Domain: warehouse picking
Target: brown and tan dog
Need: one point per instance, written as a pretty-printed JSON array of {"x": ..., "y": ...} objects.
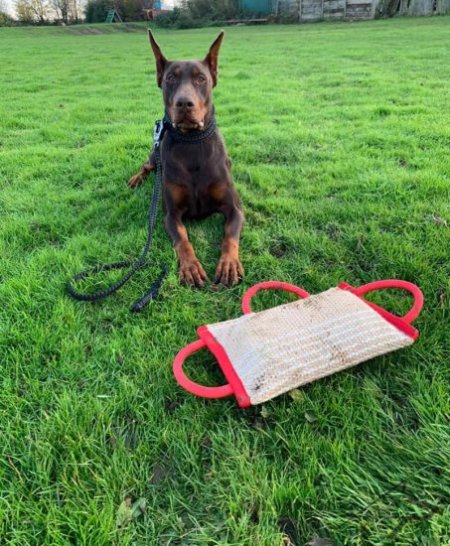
[{"x": 196, "y": 175}]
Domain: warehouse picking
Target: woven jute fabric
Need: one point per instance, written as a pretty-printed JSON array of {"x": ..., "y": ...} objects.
[{"x": 282, "y": 348}]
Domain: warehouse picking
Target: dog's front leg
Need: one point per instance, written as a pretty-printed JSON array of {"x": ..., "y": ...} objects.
[
  {"x": 144, "y": 171},
  {"x": 191, "y": 270},
  {"x": 229, "y": 269}
]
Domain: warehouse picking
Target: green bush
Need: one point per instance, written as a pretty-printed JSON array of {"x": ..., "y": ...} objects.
[
  {"x": 96, "y": 10},
  {"x": 213, "y": 10},
  {"x": 129, "y": 10},
  {"x": 179, "y": 18},
  {"x": 199, "y": 13},
  {"x": 6, "y": 20}
]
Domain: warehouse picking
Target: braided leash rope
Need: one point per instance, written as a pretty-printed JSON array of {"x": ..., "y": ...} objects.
[{"x": 161, "y": 126}]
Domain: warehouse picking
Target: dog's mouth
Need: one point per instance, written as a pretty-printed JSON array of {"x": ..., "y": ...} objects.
[
  {"x": 186, "y": 120},
  {"x": 186, "y": 124}
]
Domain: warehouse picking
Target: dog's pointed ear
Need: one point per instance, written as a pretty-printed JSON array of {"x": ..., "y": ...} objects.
[
  {"x": 161, "y": 61},
  {"x": 212, "y": 57}
]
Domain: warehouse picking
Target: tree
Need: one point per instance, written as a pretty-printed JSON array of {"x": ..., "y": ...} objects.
[
  {"x": 5, "y": 19},
  {"x": 75, "y": 10},
  {"x": 66, "y": 10},
  {"x": 24, "y": 12},
  {"x": 32, "y": 11},
  {"x": 61, "y": 8}
]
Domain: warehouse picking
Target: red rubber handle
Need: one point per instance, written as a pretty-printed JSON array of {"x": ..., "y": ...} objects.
[
  {"x": 413, "y": 313},
  {"x": 191, "y": 386},
  {"x": 270, "y": 285}
]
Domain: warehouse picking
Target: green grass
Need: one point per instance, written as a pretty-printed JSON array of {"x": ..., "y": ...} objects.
[{"x": 340, "y": 139}]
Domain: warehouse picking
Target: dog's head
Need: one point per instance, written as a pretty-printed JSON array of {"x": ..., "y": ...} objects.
[{"x": 187, "y": 86}]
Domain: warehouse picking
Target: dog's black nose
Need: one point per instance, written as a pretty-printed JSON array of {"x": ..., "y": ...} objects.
[{"x": 184, "y": 103}]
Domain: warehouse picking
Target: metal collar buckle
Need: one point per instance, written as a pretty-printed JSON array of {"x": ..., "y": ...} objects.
[{"x": 157, "y": 132}]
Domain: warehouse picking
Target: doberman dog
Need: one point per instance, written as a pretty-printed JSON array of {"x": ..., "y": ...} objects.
[{"x": 197, "y": 178}]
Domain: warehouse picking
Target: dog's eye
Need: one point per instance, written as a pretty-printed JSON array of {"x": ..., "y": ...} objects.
[
  {"x": 200, "y": 78},
  {"x": 171, "y": 78}
]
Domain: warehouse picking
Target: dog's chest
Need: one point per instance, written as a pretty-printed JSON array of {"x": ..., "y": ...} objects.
[
  {"x": 198, "y": 172},
  {"x": 198, "y": 192}
]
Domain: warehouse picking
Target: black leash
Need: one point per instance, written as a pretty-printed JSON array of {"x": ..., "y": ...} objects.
[{"x": 161, "y": 126}]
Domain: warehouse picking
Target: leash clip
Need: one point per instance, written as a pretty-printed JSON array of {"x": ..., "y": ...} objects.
[{"x": 157, "y": 132}]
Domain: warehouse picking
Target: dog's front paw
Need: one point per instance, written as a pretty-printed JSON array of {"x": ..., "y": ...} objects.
[
  {"x": 229, "y": 270},
  {"x": 192, "y": 273},
  {"x": 138, "y": 178},
  {"x": 135, "y": 181}
]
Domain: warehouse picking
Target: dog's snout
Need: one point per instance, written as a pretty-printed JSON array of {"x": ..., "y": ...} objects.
[{"x": 184, "y": 103}]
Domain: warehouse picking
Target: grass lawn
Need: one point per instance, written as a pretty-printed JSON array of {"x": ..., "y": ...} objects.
[{"x": 340, "y": 141}]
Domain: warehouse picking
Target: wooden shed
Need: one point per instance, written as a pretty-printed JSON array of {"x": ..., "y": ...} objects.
[
  {"x": 327, "y": 10},
  {"x": 258, "y": 7},
  {"x": 320, "y": 10},
  {"x": 423, "y": 7}
]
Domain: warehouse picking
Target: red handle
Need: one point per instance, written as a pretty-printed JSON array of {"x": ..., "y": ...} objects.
[
  {"x": 191, "y": 386},
  {"x": 227, "y": 390},
  {"x": 270, "y": 285},
  {"x": 413, "y": 313}
]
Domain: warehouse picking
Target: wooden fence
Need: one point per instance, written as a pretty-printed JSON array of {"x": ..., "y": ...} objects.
[{"x": 320, "y": 10}]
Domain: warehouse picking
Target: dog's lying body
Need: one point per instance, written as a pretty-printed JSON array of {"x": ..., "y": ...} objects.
[{"x": 196, "y": 176}]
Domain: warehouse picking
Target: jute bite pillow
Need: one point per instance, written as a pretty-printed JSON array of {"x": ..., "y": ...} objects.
[{"x": 271, "y": 352}]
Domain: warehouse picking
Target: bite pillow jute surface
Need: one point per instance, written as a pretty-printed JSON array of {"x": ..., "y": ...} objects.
[{"x": 265, "y": 354}]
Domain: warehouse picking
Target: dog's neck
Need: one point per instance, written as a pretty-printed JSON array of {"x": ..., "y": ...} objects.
[{"x": 209, "y": 116}]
